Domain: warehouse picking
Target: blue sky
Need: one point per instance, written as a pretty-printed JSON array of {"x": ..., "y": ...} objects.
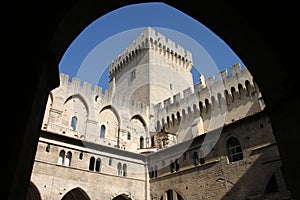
[{"x": 90, "y": 54}]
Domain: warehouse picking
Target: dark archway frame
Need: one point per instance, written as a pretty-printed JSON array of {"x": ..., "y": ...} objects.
[{"x": 37, "y": 33}]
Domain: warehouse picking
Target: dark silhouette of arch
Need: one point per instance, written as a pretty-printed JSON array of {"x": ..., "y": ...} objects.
[
  {"x": 169, "y": 195},
  {"x": 272, "y": 186},
  {"x": 122, "y": 197},
  {"x": 76, "y": 194},
  {"x": 33, "y": 192}
]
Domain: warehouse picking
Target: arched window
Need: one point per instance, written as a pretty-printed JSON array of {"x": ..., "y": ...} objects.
[
  {"x": 80, "y": 155},
  {"x": 173, "y": 119},
  {"x": 151, "y": 172},
  {"x": 119, "y": 168},
  {"x": 240, "y": 88},
  {"x": 68, "y": 159},
  {"x": 248, "y": 87},
  {"x": 124, "y": 169},
  {"x": 233, "y": 93},
  {"x": 61, "y": 157},
  {"x": 219, "y": 99},
  {"x": 178, "y": 118},
  {"x": 272, "y": 186},
  {"x": 141, "y": 142},
  {"x": 234, "y": 150},
  {"x": 102, "y": 131},
  {"x": 168, "y": 121},
  {"x": 48, "y": 148},
  {"x": 98, "y": 165},
  {"x": 206, "y": 104},
  {"x": 176, "y": 165},
  {"x": 226, "y": 96},
  {"x": 110, "y": 162},
  {"x": 92, "y": 163},
  {"x": 155, "y": 171},
  {"x": 201, "y": 107},
  {"x": 73, "y": 123},
  {"x": 195, "y": 158},
  {"x": 201, "y": 159},
  {"x": 172, "y": 166},
  {"x": 128, "y": 135},
  {"x": 152, "y": 141}
]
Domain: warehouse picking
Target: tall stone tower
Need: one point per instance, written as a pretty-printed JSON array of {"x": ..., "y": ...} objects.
[{"x": 151, "y": 69}]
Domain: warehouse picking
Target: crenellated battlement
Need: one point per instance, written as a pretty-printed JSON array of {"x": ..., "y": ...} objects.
[
  {"x": 97, "y": 95},
  {"x": 151, "y": 39},
  {"x": 76, "y": 85},
  {"x": 232, "y": 92},
  {"x": 212, "y": 86}
]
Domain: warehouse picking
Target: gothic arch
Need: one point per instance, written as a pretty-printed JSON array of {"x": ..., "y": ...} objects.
[
  {"x": 171, "y": 192},
  {"x": 140, "y": 118},
  {"x": 80, "y": 97},
  {"x": 122, "y": 196},
  {"x": 111, "y": 108},
  {"x": 76, "y": 194}
]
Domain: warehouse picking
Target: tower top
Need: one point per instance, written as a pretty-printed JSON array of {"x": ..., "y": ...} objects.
[{"x": 152, "y": 38}]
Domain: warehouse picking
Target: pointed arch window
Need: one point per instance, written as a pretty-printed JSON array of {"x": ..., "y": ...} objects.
[
  {"x": 110, "y": 162},
  {"x": 61, "y": 157},
  {"x": 98, "y": 165},
  {"x": 152, "y": 141},
  {"x": 141, "y": 142},
  {"x": 176, "y": 165},
  {"x": 68, "y": 159},
  {"x": 195, "y": 158},
  {"x": 272, "y": 186},
  {"x": 172, "y": 166},
  {"x": 128, "y": 135},
  {"x": 233, "y": 93},
  {"x": 48, "y": 148},
  {"x": 241, "y": 90},
  {"x": 200, "y": 107},
  {"x": 168, "y": 121},
  {"x": 102, "y": 131},
  {"x": 124, "y": 170},
  {"x": 178, "y": 118},
  {"x": 219, "y": 99},
  {"x": 206, "y": 104},
  {"x": 248, "y": 88},
  {"x": 119, "y": 169},
  {"x": 151, "y": 172},
  {"x": 234, "y": 150},
  {"x": 74, "y": 123},
  {"x": 173, "y": 119},
  {"x": 92, "y": 163},
  {"x": 155, "y": 171},
  {"x": 226, "y": 94}
]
